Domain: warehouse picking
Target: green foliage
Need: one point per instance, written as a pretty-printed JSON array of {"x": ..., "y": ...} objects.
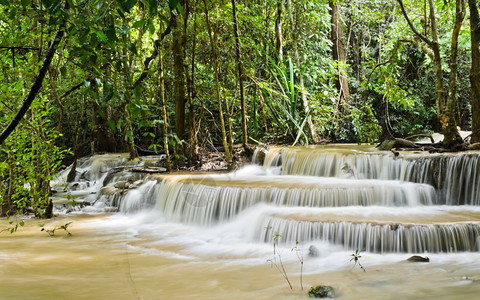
[
  {"x": 29, "y": 161},
  {"x": 108, "y": 43},
  {"x": 51, "y": 232},
  {"x": 14, "y": 228},
  {"x": 282, "y": 98},
  {"x": 365, "y": 124}
]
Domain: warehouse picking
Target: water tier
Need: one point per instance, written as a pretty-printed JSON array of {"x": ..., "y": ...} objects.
[{"x": 456, "y": 176}]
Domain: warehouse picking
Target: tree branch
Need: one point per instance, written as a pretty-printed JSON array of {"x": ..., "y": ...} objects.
[
  {"x": 156, "y": 45},
  {"x": 37, "y": 85},
  {"x": 389, "y": 60},
  {"x": 410, "y": 24}
]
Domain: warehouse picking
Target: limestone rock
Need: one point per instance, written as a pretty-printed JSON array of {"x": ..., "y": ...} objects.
[
  {"x": 416, "y": 258},
  {"x": 321, "y": 291}
]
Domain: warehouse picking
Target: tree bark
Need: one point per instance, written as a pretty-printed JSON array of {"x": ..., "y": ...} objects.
[
  {"x": 452, "y": 136},
  {"x": 179, "y": 81},
  {"x": 445, "y": 112},
  {"x": 168, "y": 161},
  {"x": 338, "y": 51},
  {"x": 475, "y": 69},
  {"x": 228, "y": 156},
  {"x": 278, "y": 30},
  {"x": 156, "y": 45},
  {"x": 240, "y": 77}
]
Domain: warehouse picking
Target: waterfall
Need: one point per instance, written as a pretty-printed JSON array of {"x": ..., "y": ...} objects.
[
  {"x": 206, "y": 199},
  {"x": 455, "y": 176},
  {"x": 381, "y": 238},
  {"x": 356, "y": 198}
]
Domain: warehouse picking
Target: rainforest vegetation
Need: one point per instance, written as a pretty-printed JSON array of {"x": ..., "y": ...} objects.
[{"x": 177, "y": 76}]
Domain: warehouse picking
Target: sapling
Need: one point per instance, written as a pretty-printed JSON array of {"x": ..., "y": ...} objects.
[
  {"x": 298, "y": 252},
  {"x": 356, "y": 259},
  {"x": 51, "y": 232},
  {"x": 64, "y": 227},
  {"x": 276, "y": 254}
]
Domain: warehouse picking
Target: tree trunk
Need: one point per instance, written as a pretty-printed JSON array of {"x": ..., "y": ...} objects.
[
  {"x": 278, "y": 31},
  {"x": 475, "y": 69},
  {"x": 338, "y": 51},
  {"x": 445, "y": 113},
  {"x": 452, "y": 137},
  {"x": 192, "y": 133},
  {"x": 240, "y": 77},
  {"x": 179, "y": 81},
  {"x": 168, "y": 161},
  {"x": 228, "y": 156}
]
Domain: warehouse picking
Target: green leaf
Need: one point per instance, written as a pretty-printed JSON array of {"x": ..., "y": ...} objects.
[
  {"x": 99, "y": 16},
  {"x": 172, "y": 4},
  {"x": 111, "y": 124},
  {"x": 125, "y": 6},
  {"x": 53, "y": 6},
  {"x": 153, "y": 4},
  {"x": 102, "y": 36},
  {"x": 139, "y": 24},
  {"x": 24, "y": 2},
  {"x": 123, "y": 29},
  {"x": 132, "y": 48},
  {"x": 175, "y": 4},
  {"x": 111, "y": 34}
]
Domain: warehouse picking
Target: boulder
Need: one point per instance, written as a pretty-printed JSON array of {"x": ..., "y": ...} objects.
[
  {"x": 313, "y": 251},
  {"x": 396, "y": 143},
  {"x": 321, "y": 291},
  {"x": 416, "y": 258},
  {"x": 475, "y": 146}
]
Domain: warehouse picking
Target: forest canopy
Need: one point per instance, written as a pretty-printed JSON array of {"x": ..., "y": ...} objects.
[{"x": 80, "y": 77}]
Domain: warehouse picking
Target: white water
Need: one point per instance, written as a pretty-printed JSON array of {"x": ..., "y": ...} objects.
[{"x": 210, "y": 236}]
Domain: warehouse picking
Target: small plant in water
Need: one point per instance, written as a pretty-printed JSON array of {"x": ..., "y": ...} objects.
[
  {"x": 277, "y": 259},
  {"x": 51, "y": 232},
  {"x": 356, "y": 259},
  {"x": 298, "y": 252}
]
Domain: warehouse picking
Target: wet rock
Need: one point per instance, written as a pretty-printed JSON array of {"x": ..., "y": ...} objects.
[
  {"x": 313, "y": 251},
  {"x": 321, "y": 291},
  {"x": 398, "y": 144},
  {"x": 150, "y": 170},
  {"x": 260, "y": 154},
  {"x": 122, "y": 185},
  {"x": 475, "y": 146},
  {"x": 416, "y": 258},
  {"x": 130, "y": 184}
]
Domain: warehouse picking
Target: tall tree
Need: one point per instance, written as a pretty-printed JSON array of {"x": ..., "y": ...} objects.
[
  {"x": 475, "y": 69},
  {"x": 213, "y": 44},
  {"x": 279, "y": 30},
  {"x": 178, "y": 49},
  {"x": 238, "y": 58},
  {"x": 445, "y": 111},
  {"x": 338, "y": 49}
]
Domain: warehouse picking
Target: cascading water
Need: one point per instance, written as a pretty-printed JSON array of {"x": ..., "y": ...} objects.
[
  {"x": 455, "y": 176},
  {"x": 314, "y": 179},
  {"x": 214, "y": 228}
]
